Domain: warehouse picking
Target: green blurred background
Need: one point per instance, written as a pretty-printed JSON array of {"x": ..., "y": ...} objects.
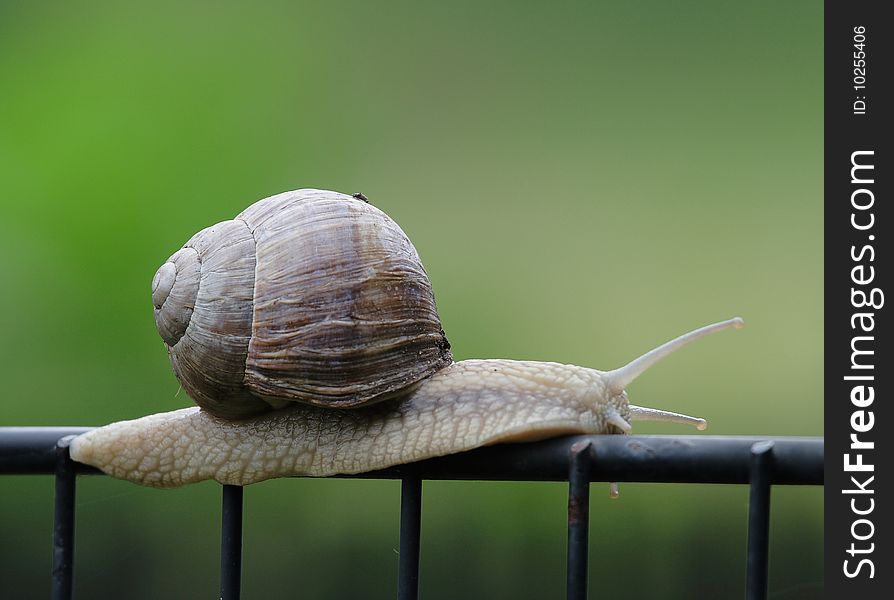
[{"x": 582, "y": 180}]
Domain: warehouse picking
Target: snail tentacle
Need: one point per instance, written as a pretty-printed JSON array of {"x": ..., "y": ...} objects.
[
  {"x": 617, "y": 420},
  {"x": 642, "y": 413},
  {"x": 620, "y": 378}
]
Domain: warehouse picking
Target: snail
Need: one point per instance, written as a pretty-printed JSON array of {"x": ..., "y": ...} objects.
[{"x": 306, "y": 331}]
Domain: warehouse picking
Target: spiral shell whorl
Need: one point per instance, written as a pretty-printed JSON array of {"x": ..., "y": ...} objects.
[{"x": 174, "y": 290}]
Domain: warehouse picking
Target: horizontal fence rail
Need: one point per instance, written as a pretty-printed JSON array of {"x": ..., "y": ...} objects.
[
  {"x": 760, "y": 462},
  {"x": 640, "y": 458}
]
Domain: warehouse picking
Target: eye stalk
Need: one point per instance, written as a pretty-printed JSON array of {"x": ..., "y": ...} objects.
[{"x": 617, "y": 380}]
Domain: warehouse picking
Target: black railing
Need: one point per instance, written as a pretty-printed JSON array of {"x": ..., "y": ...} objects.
[{"x": 760, "y": 462}]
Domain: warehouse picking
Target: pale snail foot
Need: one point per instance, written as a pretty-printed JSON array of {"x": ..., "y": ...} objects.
[{"x": 466, "y": 405}]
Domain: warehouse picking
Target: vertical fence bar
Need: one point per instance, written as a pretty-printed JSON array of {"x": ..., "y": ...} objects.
[
  {"x": 410, "y": 525},
  {"x": 231, "y": 543},
  {"x": 63, "y": 522},
  {"x": 578, "y": 519},
  {"x": 759, "y": 521}
]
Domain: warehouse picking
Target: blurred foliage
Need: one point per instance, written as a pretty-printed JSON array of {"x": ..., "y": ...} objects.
[{"x": 582, "y": 180}]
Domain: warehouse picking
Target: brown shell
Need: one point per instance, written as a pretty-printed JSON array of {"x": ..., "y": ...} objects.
[{"x": 309, "y": 296}]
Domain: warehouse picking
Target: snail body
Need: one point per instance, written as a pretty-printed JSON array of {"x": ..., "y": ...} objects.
[{"x": 350, "y": 370}]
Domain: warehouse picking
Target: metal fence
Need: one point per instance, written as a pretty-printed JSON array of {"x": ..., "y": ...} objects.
[{"x": 759, "y": 462}]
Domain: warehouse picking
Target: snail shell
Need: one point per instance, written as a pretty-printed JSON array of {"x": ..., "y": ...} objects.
[{"x": 308, "y": 296}]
